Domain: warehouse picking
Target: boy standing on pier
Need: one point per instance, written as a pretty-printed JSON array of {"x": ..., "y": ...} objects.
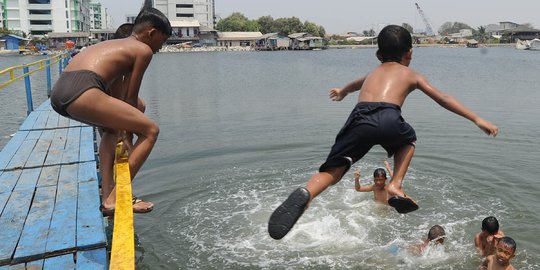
[
  {"x": 83, "y": 93},
  {"x": 376, "y": 119}
]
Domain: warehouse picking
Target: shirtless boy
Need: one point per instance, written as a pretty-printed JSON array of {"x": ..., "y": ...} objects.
[
  {"x": 486, "y": 240},
  {"x": 378, "y": 187},
  {"x": 83, "y": 93},
  {"x": 505, "y": 250},
  {"x": 376, "y": 120}
]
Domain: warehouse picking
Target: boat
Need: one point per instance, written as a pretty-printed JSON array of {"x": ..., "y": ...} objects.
[
  {"x": 522, "y": 44},
  {"x": 534, "y": 44}
]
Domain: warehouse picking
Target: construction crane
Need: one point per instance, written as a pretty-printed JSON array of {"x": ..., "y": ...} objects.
[{"x": 429, "y": 28}]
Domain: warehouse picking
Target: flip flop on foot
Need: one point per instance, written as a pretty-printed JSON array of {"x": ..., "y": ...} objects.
[
  {"x": 140, "y": 206},
  {"x": 403, "y": 204},
  {"x": 286, "y": 215},
  {"x": 106, "y": 211}
]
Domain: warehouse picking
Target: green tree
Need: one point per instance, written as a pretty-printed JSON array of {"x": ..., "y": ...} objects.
[
  {"x": 237, "y": 22},
  {"x": 311, "y": 28},
  {"x": 266, "y": 24},
  {"x": 408, "y": 27}
]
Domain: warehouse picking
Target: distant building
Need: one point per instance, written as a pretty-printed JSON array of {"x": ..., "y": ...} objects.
[
  {"x": 130, "y": 18},
  {"x": 99, "y": 17},
  {"x": 238, "y": 38},
  {"x": 187, "y": 10},
  {"x": 2, "y": 14},
  {"x": 41, "y": 17},
  {"x": 305, "y": 41}
]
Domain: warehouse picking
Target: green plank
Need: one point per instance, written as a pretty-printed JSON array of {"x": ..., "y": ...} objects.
[
  {"x": 71, "y": 150},
  {"x": 54, "y": 156},
  {"x": 11, "y": 148},
  {"x": 39, "y": 153},
  {"x": 12, "y": 221},
  {"x": 33, "y": 239},
  {"x": 92, "y": 259},
  {"x": 90, "y": 227},
  {"x": 62, "y": 230},
  {"x": 60, "y": 262}
]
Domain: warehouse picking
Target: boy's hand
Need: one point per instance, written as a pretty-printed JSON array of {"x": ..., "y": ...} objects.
[
  {"x": 357, "y": 174},
  {"x": 487, "y": 127},
  {"x": 336, "y": 94}
]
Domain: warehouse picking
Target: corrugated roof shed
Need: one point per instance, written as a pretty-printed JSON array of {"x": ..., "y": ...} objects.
[{"x": 239, "y": 35}]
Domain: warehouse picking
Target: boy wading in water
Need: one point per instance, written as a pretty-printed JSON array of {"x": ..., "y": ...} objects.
[
  {"x": 376, "y": 120},
  {"x": 83, "y": 92}
]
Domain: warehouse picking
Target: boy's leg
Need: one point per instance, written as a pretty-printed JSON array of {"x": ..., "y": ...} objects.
[
  {"x": 96, "y": 107},
  {"x": 402, "y": 159},
  {"x": 106, "y": 163},
  {"x": 285, "y": 216}
]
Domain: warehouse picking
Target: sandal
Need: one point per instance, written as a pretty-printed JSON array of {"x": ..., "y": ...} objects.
[
  {"x": 135, "y": 200},
  {"x": 106, "y": 212}
]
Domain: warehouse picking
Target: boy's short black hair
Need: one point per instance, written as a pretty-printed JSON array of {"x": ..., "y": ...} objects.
[
  {"x": 123, "y": 31},
  {"x": 154, "y": 18},
  {"x": 393, "y": 42},
  {"x": 435, "y": 232},
  {"x": 490, "y": 225},
  {"x": 509, "y": 242},
  {"x": 379, "y": 172}
]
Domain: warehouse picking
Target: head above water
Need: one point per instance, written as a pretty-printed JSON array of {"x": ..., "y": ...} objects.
[
  {"x": 508, "y": 242},
  {"x": 436, "y": 233},
  {"x": 151, "y": 17},
  {"x": 379, "y": 172},
  {"x": 490, "y": 225},
  {"x": 124, "y": 31},
  {"x": 394, "y": 42}
]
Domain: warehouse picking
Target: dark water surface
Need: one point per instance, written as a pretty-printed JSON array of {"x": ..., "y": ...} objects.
[{"x": 241, "y": 130}]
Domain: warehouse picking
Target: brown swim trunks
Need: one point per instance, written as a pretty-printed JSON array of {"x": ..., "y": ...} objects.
[{"x": 71, "y": 85}]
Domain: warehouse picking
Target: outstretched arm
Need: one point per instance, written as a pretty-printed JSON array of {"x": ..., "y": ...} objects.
[
  {"x": 338, "y": 94},
  {"x": 450, "y": 103},
  {"x": 357, "y": 185},
  {"x": 390, "y": 172}
]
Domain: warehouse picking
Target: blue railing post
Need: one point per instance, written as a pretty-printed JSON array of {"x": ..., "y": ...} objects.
[
  {"x": 60, "y": 63},
  {"x": 49, "y": 83},
  {"x": 29, "y": 103}
]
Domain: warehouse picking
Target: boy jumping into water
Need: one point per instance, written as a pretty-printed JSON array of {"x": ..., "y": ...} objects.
[
  {"x": 376, "y": 119},
  {"x": 83, "y": 92}
]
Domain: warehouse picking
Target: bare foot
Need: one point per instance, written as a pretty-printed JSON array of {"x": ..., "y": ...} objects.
[{"x": 394, "y": 191}]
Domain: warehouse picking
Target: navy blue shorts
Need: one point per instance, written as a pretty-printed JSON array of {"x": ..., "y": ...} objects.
[{"x": 370, "y": 123}]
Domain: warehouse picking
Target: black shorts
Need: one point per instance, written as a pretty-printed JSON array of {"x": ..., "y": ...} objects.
[
  {"x": 70, "y": 85},
  {"x": 370, "y": 123}
]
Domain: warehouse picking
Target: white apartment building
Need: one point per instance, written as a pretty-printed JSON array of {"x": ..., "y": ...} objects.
[
  {"x": 99, "y": 17},
  {"x": 40, "y": 17},
  {"x": 202, "y": 11}
]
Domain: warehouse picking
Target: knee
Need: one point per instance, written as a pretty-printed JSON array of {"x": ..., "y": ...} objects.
[{"x": 153, "y": 131}]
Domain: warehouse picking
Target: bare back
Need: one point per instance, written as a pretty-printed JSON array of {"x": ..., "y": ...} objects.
[
  {"x": 112, "y": 59},
  {"x": 390, "y": 82}
]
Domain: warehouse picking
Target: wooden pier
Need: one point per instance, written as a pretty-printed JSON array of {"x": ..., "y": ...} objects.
[{"x": 49, "y": 196}]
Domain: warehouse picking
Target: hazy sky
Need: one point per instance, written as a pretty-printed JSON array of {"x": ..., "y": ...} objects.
[{"x": 340, "y": 16}]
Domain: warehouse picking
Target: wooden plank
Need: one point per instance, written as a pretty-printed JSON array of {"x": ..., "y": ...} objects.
[
  {"x": 30, "y": 121},
  {"x": 92, "y": 259},
  {"x": 87, "y": 148},
  {"x": 21, "y": 156},
  {"x": 33, "y": 239},
  {"x": 45, "y": 106},
  {"x": 71, "y": 150},
  {"x": 52, "y": 121},
  {"x": 11, "y": 148},
  {"x": 39, "y": 153},
  {"x": 63, "y": 122},
  {"x": 49, "y": 176},
  {"x": 56, "y": 149},
  {"x": 41, "y": 120},
  {"x": 87, "y": 171},
  {"x": 28, "y": 179},
  {"x": 61, "y": 236},
  {"x": 59, "y": 262},
  {"x": 12, "y": 221},
  {"x": 90, "y": 227},
  {"x": 34, "y": 265},
  {"x": 8, "y": 180}
]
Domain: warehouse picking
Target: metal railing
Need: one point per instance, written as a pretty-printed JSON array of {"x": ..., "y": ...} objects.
[{"x": 24, "y": 71}]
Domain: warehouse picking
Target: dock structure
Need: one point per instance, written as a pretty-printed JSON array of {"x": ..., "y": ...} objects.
[{"x": 49, "y": 196}]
